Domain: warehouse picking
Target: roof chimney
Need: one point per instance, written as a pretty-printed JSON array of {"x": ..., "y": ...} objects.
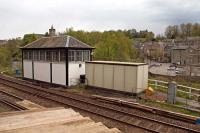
[{"x": 52, "y": 31}]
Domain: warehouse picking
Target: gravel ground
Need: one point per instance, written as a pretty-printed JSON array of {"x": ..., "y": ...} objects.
[{"x": 40, "y": 101}]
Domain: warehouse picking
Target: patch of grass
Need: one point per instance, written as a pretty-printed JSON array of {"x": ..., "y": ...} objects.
[
  {"x": 9, "y": 70},
  {"x": 6, "y": 70},
  {"x": 182, "y": 95}
]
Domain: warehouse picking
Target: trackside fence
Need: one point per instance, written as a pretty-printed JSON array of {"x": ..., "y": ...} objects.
[{"x": 182, "y": 91}]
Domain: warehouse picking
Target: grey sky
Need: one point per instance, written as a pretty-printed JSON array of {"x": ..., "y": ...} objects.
[{"x": 18, "y": 17}]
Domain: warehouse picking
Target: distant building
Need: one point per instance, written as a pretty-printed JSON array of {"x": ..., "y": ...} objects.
[
  {"x": 175, "y": 44},
  {"x": 167, "y": 53},
  {"x": 55, "y": 59},
  {"x": 185, "y": 55},
  {"x": 2, "y": 42},
  {"x": 153, "y": 51}
]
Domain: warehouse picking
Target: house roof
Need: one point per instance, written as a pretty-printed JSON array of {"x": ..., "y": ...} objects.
[{"x": 57, "y": 42}]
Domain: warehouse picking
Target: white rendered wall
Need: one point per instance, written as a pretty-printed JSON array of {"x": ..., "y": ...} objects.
[
  {"x": 59, "y": 73},
  {"x": 42, "y": 71},
  {"x": 27, "y": 69},
  {"x": 74, "y": 72}
]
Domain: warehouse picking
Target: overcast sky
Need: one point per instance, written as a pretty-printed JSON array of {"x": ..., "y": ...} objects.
[{"x": 18, "y": 17}]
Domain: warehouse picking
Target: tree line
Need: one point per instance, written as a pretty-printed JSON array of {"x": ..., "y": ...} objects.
[
  {"x": 110, "y": 45},
  {"x": 10, "y": 51},
  {"x": 117, "y": 45},
  {"x": 182, "y": 30}
]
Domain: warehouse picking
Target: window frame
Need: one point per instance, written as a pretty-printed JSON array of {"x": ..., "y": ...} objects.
[
  {"x": 48, "y": 54},
  {"x": 36, "y": 55},
  {"x": 62, "y": 55},
  {"x": 42, "y": 55},
  {"x": 55, "y": 55}
]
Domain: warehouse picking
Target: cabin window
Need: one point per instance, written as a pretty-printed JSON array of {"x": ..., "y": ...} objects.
[
  {"x": 55, "y": 56},
  {"x": 78, "y": 56},
  {"x": 71, "y": 55},
  {"x": 30, "y": 55},
  {"x": 48, "y": 55},
  {"x": 36, "y": 55},
  {"x": 42, "y": 55},
  {"x": 86, "y": 55},
  {"x": 62, "y": 55},
  {"x": 25, "y": 55}
]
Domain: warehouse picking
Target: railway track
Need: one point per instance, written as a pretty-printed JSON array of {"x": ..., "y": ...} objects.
[
  {"x": 7, "y": 94},
  {"x": 113, "y": 113},
  {"x": 13, "y": 105}
]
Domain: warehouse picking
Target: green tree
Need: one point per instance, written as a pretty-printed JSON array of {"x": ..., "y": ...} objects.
[
  {"x": 110, "y": 45},
  {"x": 28, "y": 38},
  {"x": 114, "y": 46}
]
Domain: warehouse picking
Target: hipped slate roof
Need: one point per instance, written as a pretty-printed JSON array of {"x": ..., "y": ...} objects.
[{"x": 57, "y": 42}]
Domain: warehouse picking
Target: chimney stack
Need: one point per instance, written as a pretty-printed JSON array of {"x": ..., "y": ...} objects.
[{"x": 52, "y": 31}]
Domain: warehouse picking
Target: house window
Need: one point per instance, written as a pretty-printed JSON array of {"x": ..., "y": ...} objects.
[
  {"x": 42, "y": 55},
  {"x": 62, "y": 55},
  {"x": 55, "y": 56},
  {"x": 71, "y": 56},
  {"x": 48, "y": 56}
]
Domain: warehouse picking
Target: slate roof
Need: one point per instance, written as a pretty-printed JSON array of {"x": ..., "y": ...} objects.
[{"x": 57, "y": 42}]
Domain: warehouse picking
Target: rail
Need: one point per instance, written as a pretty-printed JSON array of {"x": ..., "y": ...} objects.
[
  {"x": 12, "y": 105},
  {"x": 111, "y": 112},
  {"x": 190, "y": 91}
]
